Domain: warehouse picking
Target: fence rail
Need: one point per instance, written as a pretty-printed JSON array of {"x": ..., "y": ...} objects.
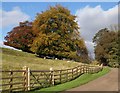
[{"x": 26, "y": 79}]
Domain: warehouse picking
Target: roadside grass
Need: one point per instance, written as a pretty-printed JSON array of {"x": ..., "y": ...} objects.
[
  {"x": 16, "y": 60},
  {"x": 83, "y": 79}
]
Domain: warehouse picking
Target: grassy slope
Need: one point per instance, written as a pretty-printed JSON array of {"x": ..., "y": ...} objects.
[
  {"x": 12, "y": 59},
  {"x": 75, "y": 83}
]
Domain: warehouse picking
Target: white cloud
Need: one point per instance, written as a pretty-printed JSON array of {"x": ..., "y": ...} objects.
[
  {"x": 1, "y": 44},
  {"x": 4, "y": 46},
  {"x": 90, "y": 48},
  {"x": 13, "y": 17},
  {"x": 92, "y": 19}
]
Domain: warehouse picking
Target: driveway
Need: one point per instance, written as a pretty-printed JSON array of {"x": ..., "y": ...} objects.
[{"x": 108, "y": 82}]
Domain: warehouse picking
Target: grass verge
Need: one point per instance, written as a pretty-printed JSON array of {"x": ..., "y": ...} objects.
[{"x": 85, "y": 78}]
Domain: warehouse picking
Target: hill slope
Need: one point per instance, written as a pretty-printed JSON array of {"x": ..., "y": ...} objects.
[{"x": 13, "y": 59}]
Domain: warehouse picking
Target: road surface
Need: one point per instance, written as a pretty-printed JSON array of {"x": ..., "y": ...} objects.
[{"x": 108, "y": 82}]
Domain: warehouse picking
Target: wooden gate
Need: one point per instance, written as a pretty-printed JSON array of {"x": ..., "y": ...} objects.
[{"x": 40, "y": 79}]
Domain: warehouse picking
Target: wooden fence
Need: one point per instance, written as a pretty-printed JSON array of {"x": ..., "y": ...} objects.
[{"x": 26, "y": 79}]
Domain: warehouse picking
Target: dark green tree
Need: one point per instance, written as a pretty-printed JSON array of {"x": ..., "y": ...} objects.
[{"x": 106, "y": 48}]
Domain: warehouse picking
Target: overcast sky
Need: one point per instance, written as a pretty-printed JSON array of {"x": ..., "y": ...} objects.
[{"x": 91, "y": 16}]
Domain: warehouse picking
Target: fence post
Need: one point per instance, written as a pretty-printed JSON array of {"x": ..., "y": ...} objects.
[
  {"x": 80, "y": 70},
  {"x": 60, "y": 76},
  {"x": 24, "y": 74},
  {"x": 26, "y": 78},
  {"x": 77, "y": 72},
  {"x": 87, "y": 69},
  {"x": 11, "y": 79},
  {"x": 52, "y": 76},
  {"x": 101, "y": 66},
  {"x": 84, "y": 69},
  {"x": 28, "y": 74},
  {"x": 72, "y": 73},
  {"x": 90, "y": 70},
  {"x": 67, "y": 76}
]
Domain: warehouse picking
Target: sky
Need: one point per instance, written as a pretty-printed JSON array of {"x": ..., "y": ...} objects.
[{"x": 91, "y": 16}]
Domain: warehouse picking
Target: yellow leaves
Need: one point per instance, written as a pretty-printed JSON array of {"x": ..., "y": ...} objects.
[
  {"x": 45, "y": 40},
  {"x": 57, "y": 33},
  {"x": 81, "y": 44},
  {"x": 42, "y": 28},
  {"x": 54, "y": 25}
]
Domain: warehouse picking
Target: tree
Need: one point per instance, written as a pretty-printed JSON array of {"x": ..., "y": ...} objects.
[
  {"x": 21, "y": 37},
  {"x": 106, "y": 48},
  {"x": 57, "y": 34}
]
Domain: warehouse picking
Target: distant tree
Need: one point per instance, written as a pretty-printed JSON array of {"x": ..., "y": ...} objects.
[
  {"x": 57, "y": 34},
  {"x": 106, "y": 48},
  {"x": 21, "y": 37}
]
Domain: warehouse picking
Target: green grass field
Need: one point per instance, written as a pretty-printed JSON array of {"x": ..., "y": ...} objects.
[{"x": 16, "y": 60}]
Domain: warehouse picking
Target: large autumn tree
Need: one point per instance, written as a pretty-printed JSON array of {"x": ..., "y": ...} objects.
[
  {"x": 106, "y": 48},
  {"x": 57, "y": 34},
  {"x": 21, "y": 37}
]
